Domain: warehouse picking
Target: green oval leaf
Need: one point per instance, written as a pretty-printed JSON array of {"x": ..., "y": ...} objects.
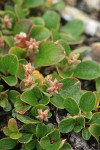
[
  {"x": 27, "y": 120},
  {"x": 51, "y": 22},
  {"x": 30, "y": 145},
  {"x": 71, "y": 88},
  {"x": 71, "y": 106},
  {"x": 55, "y": 135},
  {"x": 9, "y": 40},
  {"x": 19, "y": 12},
  {"x": 33, "y": 4},
  {"x": 13, "y": 94},
  {"x": 66, "y": 146},
  {"x": 71, "y": 39},
  {"x": 87, "y": 102},
  {"x": 12, "y": 125},
  {"x": 38, "y": 21},
  {"x": 6, "y": 131},
  {"x": 41, "y": 130},
  {"x": 87, "y": 70},
  {"x": 24, "y": 25},
  {"x": 7, "y": 143},
  {"x": 9, "y": 64},
  {"x": 80, "y": 122},
  {"x": 45, "y": 141},
  {"x": 10, "y": 80},
  {"x": 95, "y": 118},
  {"x": 63, "y": 70},
  {"x": 66, "y": 125},
  {"x": 29, "y": 128},
  {"x": 19, "y": 52},
  {"x": 21, "y": 71},
  {"x": 40, "y": 33},
  {"x": 65, "y": 46},
  {"x": 18, "y": 1},
  {"x": 29, "y": 97},
  {"x": 74, "y": 27},
  {"x": 49, "y": 54},
  {"x": 57, "y": 101},
  {"x": 86, "y": 134},
  {"x": 15, "y": 135},
  {"x": 8, "y": 108},
  {"x": 34, "y": 97},
  {"x": 88, "y": 115},
  {"x": 95, "y": 131},
  {"x": 4, "y": 102},
  {"x": 25, "y": 138}
]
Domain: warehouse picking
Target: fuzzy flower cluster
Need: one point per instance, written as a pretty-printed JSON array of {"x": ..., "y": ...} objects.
[
  {"x": 6, "y": 22},
  {"x": 20, "y": 39},
  {"x": 55, "y": 86},
  {"x": 73, "y": 59},
  {"x": 1, "y": 43},
  {"x": 32, "y": 44},
  {"x": 42, "y": 115},
  {"x": 28, "y": 74}
]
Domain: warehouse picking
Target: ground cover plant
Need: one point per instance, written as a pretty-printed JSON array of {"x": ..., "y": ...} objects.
[{"x": 42, "y": 101}]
